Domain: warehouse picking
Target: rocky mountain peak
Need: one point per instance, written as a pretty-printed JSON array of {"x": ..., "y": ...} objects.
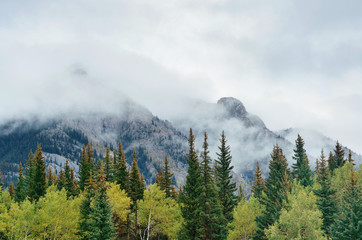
[{"x": 233, "y": 106}]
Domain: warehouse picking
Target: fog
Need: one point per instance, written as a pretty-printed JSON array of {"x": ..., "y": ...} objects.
[{"x": 294, "y": 64}]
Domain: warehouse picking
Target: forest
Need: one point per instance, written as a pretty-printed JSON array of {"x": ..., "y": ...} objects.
[{"x": 107, "y": 199}]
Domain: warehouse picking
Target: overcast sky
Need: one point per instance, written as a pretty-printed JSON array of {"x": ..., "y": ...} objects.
[{"x": 293, "y": 63}]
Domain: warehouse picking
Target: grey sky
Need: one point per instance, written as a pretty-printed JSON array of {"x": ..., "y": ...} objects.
[{"x": 293, "y": 63}]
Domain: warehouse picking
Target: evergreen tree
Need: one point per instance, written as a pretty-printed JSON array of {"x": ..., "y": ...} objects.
[
  {"x": 83, "y": 170},
  {"x": 241, "y": 195},
  {"x": 100, "y": 226},
  {"x": 20, "y": 191},
  {"x": 212, "y": 219},
  {"x": 121, "y": 175},
  {"x": 331, "y": 163},
  {"x": 350, "y": 157},
  {"x": 276, "y": 189},
  {"x": 50, "y": 177},
  {"x": 29, "y": 174},
  {"x": 39, "y": 180},
  {"x": 160, "y": 179},
  {"x": 301, "y": 170},
  {"x": 167, "y": 179},
  {"x": 339, "y": 155},
  {"x": 226, "y": 188},
  {"x": 108, "y": 165},
  {"x": 258, "y": 185},
  {"x": 85, "y": 209},
  {"x": 349, "y": 224},
  {"x": 12, "y": 190},
  {"x": 90, "y": 159},
  {"x": 326, "y": 201},
  {"x": 190, "y": 196},
  {"x": 62, "y": 180},
  {"x": 137, "y": 188}
]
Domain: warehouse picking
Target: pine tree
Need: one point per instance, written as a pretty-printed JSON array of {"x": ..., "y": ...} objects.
[
  {"x": 12, "y": 190},
  {"x": 50, "y": 177},
  {"x": 326, "y": 201},
  {"x": 241, "y": 195},
  {"x": 160, "y": 179},
  {"x": 61, "y": 181},
  {"x": 20, "y": 191},
  {"x": 69, "y": 180},
  {"x": 349, "y": 224},
  {"x": 212, "y": 219},
  {"x": 331, "y": 162},
  {"x": 108, "y": 165},
  {"x": 83, "y": 170},
  {"x": 121, "y": 175},
  {"x": 90, "y": 159},
  {"x": 100, "y": 226},
  {"x": 85, "y": 209},
  {"x": 301, "y": 169},
  {"x": 350, "y": 159},
  {"x": 29, "y": 174},
  {"x": 75, "y": 189},
  {"x": 339, "y": 155},
  {"x": 39, "y": 178},
  {"x": 226, "y": 188},
  {"x": 258, "y": 185},
  {"x": 190, "y": 196},
  {"x": 137, "y": 188},
  {"x": 276, "y": 188},
  {"x": 167, "y": 179}
]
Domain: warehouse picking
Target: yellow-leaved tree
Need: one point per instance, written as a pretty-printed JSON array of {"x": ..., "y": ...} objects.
[
  {"x": 158, "y": 215},
  {"x": 301, "y": 218},
  {"x": 243, "y": 225}
]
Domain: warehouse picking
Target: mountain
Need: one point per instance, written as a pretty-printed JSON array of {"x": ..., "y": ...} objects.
[{"x": 62, "y": 137}]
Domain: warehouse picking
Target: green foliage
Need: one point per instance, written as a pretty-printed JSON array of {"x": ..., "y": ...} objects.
[
  {"x": 325, "y": 195},
  {"x": 243, "y": 225},
  {"x": 348, "y": 224},
  {"x": 212, "y": 219},
  {"x": 299, "y": 219},
  {"x": 120, "y": 172},
  {"x": 226, "y": 188},
  {"x": 159, "y": 215},
  {"x": 108, "y": 165},
  {"x": 277, "y": 187},
  {"x": 339, "y": 155},
  {"x": 39, "y": 178},
  {"x": 20, "y": 191},
  {"x": 301, "y": 170},
  {"x": 190, "y": 197},
  {"x": 258, "y": 186}
]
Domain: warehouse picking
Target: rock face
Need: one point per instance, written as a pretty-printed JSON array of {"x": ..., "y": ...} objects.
[{"x": 62, "y": 137}]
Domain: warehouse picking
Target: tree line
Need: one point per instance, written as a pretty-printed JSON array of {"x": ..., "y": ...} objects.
[{"x": 109, "y": 200}]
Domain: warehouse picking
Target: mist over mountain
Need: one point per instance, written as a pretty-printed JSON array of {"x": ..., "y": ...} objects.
[{"x": 62, "y": 136}]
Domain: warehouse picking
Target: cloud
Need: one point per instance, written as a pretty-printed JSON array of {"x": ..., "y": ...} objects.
[{"x": 292, "y": 63}]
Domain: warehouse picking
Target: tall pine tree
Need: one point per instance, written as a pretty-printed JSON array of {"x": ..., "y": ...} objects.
[
  {"x": 120, "y": 172},
  {"x": 258, "y": 185},
  {"x": 84, "y": 170},
  {"x": 39, "y": 178},
  {"x": 339, "y": 155},
  {"x": 301, "y": 170},
  {"x": 226, "y": 188},
  {"x": 331, "y": 163},
  {"x": 108, "y": 165},
  {"x": 276, "y": 188},
  {"x": 212, "y": 219},
  {"x": 20, "y": 191},
  {"x": 190, "y": 196},
  {"x": 326, "y": 201}
]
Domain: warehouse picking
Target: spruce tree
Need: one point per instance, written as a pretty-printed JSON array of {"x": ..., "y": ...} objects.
[
  {"x": 20, "y": 191},
  {"x": 350, "y": 159},
  {"x": 90, "y": 159},
  {"x": 75, "y": 189},
  {"x": 212, "y": 219},
  {"x": 301, "y": 170},
  {"x": 226, "y": 188},
  {"x": 108, "y": 165},
  {"x": 100, "y": 224},
  {"x": 349, "y": 224},
  {"x": 136, "y": 189},
  {"x": 39, "y": 178},
  {"x": 12, "y": 190},
  {"x": 190, "y": 196},
  {"x": 326, "y": 201},
  {"x": 120, "y": 172},
  {"x": 339, "y": 155},
  {"x": 167, "y": 179},
  {"x": 62, "y": 180},
  {"x": 331, "y": 163},
  {"x": 258, "y": 184},
  {"x": 50, "y": 177},
  {"x": 29, "y": 174},
  {"x": 276, "y": 188},
  {"x": 83, "y": 170},
  {"x": 241, "y": 195},
  {"x": 85, "y": 209}
]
